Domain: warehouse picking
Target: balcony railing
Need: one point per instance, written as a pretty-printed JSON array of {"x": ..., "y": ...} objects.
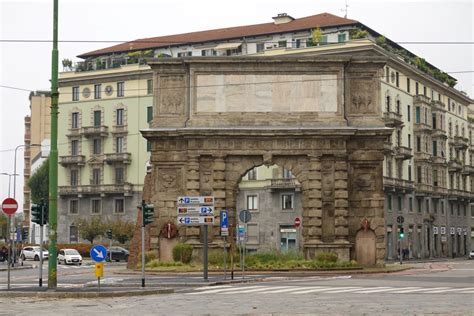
[
  {"x": 440, "y": 190},
  {"x": 392, "y": 119},
  {"x": 419, "y": 98},
  {"x": 438, "y": 133},
  {"x": 422, "y": 188},
  {"x": 468, "y": 170},
  {"x": 422, "y": 128},
  {"x": 95, "y": 131},
  {"x": 125, "y": 188},
  {"x": 118, "y": 157},
  {"x": 119, "y": 129},
  {"x": 74, "y": 132},
  {"x": 454, "y": 193},
  {"x": 78, "y": 160},
  {"x": 438, "y": 160},
  {"x": 438, "y": 106},
  {"x": 422, "y": 156},
  {"x": 460, "y": 142},
  {"x": 283, "y": 183},
  {"x": 402, "y": 152},
  {"x": 454, "y": 165},
  {"x": 398, "y": 183}
]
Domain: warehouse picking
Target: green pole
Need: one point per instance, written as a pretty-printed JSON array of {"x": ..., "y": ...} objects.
[{"x": 53, "y": 160}]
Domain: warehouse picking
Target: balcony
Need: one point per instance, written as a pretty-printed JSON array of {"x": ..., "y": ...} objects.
[
  {"x": 422, "y": 188},
  {"x": 468, "y": 170},
  {"x": 438, "y": 106},
  {"x": 95, "y": 131},
  {"x": 438, "y": 160},
  {"x": 419, "y": 98},
  {"x": 440, "y": 191},
  {"x": 119, "y": 129},
  {"x": 455, "y": 194},
  {"x": 74, "y": 132},
  {"x": 284, "y": 183},
  {"x": 398, "y": 184},
  {"x": 438, "y": 133},
  {"x": 118, "y": 158},
  {"x": 102, "y": 189},
  {"x": 422, "y": 128},
  {"x": 454, "y": 165},
  {"x": 402, "y": 152},
  {"x": 387, "y": 148},
  {"x": 422, "y": 156},
  {"x": 76, "y": 160},
  {"x": 392, "y": 119},
  {"x": 460, "y": 142}
]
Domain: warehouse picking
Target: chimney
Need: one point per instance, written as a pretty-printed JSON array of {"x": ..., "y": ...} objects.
[{"x": 282, "y": 18}]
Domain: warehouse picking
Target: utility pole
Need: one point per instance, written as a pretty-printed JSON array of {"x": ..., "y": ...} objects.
[{"x": 53, "y": 160}]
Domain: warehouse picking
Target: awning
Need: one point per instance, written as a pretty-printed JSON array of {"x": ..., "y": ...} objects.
[{"x": 225, "y": 46}]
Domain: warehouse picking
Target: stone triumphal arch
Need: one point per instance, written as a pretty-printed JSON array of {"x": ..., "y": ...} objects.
[{"x": 320, "y": 117}]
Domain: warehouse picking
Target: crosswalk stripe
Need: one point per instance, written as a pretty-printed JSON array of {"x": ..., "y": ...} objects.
[
  {"x": 223, "y": 290},
  {"x": 314, "y": 289},
  {"x": 344, "y": 290},
  {"x": 261, "y": 289},
  {"x": 293, "y": 288},
  {"x": 377, "y": 290},
  {"x": 397, "y": 291},
  {"x": 429, "y": 291},
  {"x": 212, "y": 287}
]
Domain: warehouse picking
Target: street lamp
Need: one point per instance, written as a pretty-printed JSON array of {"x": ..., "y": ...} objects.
[
  {"x": 14, "y": 165},
  {"x": 10, "y": 175}
]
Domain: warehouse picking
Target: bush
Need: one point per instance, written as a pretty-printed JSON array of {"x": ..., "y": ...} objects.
[
  {"x": 157, "y": 264},
  {"x": 182, "y": 253},
  {"x": 216, "y": 257},
  {"x": 326, "y": 257},
  {"x": 150, "y": 256}
]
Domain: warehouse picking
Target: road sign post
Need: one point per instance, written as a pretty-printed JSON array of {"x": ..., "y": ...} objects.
[
  {"x": 148, "y": 210},
  {"x": 98, "y": 254},
  {"x": 245, "y": 216},
  {"x": 9, "y": 207},
  {"x": 224, "y": 223}
]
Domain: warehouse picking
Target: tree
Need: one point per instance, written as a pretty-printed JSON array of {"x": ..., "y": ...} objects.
[
  {"x": 39, "y": 183},
  {"x": 316, "y": 36},
  {"x": 122, "y": 231},
  {"x": 3, "y": 226},
  {"x": 90, "y": 230}
]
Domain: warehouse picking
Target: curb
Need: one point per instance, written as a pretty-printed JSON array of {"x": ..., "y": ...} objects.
[
  {"x": 88, "y": 294},
  {"x": 18, "y": 268}
]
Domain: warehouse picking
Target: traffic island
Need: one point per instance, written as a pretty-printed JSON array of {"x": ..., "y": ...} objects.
[{"x": 63, "y": 293}]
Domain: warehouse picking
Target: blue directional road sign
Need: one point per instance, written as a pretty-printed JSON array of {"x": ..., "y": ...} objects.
[{"x": 98, "y": 253}]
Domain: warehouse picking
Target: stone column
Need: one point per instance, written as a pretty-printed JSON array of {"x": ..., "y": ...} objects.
[
  {"x": 341, "y": 202},
  {"x": 219, "y": 188},
  {"x": 312, "y": 208}
]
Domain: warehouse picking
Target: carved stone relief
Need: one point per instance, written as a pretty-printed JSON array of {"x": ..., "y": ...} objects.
[{"x": 172, "y": 102}]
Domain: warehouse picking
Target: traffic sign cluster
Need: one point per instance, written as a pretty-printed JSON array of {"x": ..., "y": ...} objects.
[{"x": 195, "y": 210}]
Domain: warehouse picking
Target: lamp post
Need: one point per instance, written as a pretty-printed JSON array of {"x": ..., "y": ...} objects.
[{"x": 10, "y": 175}]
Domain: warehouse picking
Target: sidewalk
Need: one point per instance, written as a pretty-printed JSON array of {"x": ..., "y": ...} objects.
[{"x": 426, "y": 260}]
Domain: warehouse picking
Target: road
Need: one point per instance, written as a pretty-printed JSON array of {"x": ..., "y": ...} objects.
[{"x": 441, "y": 288}]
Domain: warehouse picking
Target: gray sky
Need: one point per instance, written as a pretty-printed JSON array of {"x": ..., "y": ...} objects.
[{"x": 28, "y": 65}]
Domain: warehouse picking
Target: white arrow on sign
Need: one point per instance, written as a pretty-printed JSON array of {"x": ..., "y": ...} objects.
[{"x": 99, "y": 253}]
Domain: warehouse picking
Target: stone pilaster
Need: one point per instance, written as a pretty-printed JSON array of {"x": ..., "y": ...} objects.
[{"x": 341, "y": 203}]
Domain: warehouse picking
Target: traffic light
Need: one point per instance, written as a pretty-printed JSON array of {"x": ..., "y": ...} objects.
[
  {"x": 109, "y": 234},
  {"x": 45, "y": 213},
  {"x": 148, "y": 210},
  {"x": 36, "y": 216},
  {"x": 401, "y": 232},
  {"x": 24, "y": 234}
]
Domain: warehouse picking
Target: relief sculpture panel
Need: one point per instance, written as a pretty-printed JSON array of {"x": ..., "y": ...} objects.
[{"x": 172, "y": 102}]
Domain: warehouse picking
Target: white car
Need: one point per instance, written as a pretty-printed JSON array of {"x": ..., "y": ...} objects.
[
  {"x": 69, "y": 256},
  {"x": 471, "y": 254},
  {"x": 33, "y": 252}
]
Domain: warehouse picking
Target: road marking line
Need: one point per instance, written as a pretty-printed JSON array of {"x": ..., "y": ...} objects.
[
  {"x": 467, "y": 292},
  {"x": 420, "y": 290},
  {"x": 260, "y": 289},
  {"x": 406, "y": 289},
  {"x": 377, "y": 290},
  {"x": 222, "y": 290},
  {"x": 293, "y": 288},
  {"x": 314, "y": 289},
  {"x": 212, "y": 287},
  {"x": 450, "y": 290},
  {"x": 346, "y": 289}
]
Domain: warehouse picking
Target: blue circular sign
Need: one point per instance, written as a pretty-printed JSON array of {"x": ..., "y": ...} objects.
[{"x": 98, "y": 253}]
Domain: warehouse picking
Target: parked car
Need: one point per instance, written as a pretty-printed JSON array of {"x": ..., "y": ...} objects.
[
  {"x": 471, "y": 254},
  {"x": 69, "y": 256},
  {"x": 117, "y": 254},
  {"x": 33, "y": 252}
]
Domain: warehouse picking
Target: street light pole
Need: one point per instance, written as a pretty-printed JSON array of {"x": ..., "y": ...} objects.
[{"x": 10, "y": 175}]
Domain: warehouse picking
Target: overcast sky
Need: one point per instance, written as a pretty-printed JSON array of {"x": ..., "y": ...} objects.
[{"x": 28, "y": 65}]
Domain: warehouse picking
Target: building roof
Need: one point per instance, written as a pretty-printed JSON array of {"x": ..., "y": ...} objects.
[{"x": 305, "y": 23}]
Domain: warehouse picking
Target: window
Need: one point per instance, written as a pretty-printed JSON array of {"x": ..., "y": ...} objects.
[
  {"x": 435, "y": 148},
  {"x": 287, "y": 201},
  {"x": 408, "y": 85},
  {"x": 185, "y": 54},
  {"x": 417, "y": 115},
  {"x": 287, "y": 174},
  {"x": 261, "y": 46},
  {"x": 75, "y": 93},
  {"x": 119, "y": 117},
  {"x": 252, "y": 174},
  {"x": 417, "y": 90},
  {"x": 418, "y": 174},
  {"x": 387, "y": 74},
  {"x": 464, "y": 210},
  {"x": 119, "y": 175},
  {"x": 389, "y": 202},
  {"x": 297, "y": 44},
  {"x": 418, "y": 143},
  {"x": 149, "y": 114},
  {"x": 399, "y": 208},
  {"x": 282, "y": 43},
  {"x": 341, "y": 37},
  {"x": 149, "y": 86},
  {"x": 410, "y": 204},
  {"x": 458, "y": 210},
  {"x": 427, "y": 206},
  {"x": 397, "y": 79},
  {"x": 424, "y": 91},
  {"x": 119, "y": 144},
  {"x": 74, "y": 147},
  {"x": 97, "y": 146},
  {"x": 435, "y": 206},
  {"x": 409, "y": 140},
  {"x": 208, "y": 52},
  {"x": 95, "y": 206},
  {"x": 472, "y": 210},
  {"x": 148, "y": 146},
  {"x": 120, "y": 89},
  {"x": 435, "y": 178},
  {"x": 119, "y": 207},
  {"x": 74, "y": 207},
  {"x": 420, "y": 205},
  {"x": 408, "y": 113},
  {"x": 75, "y": 120},
  {"x": 451, "y": 208},
  {"x": 97, "y": 118},
  {"x": 252, "y": 202},
  {"x": 95, "y": 176},
  {"x": 74, "y": 175},
  {"x": 97, "y": 91},
  {"x": 252, "y": 233},
  {"x": 409, "y": 173},
  {"x": 442, "y": 207}
]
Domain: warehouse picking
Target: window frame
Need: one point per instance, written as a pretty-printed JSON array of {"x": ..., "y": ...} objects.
[
  {"x": 97, "y": 91},
  {"x": 255, "y": 201},
  {"x": 75, "y": 93},
  {"x": 292, "y": 201},
  {"x": 119, "y": 116},
  {"x": 75, "y": 120},
  {"x": 70, "y": 207},
  {"x": 99, "y": 205},
  {"x": 120, "y": 89},
  {"x": 122, "y": 206}
]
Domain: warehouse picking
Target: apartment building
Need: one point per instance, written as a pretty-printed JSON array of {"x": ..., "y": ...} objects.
[{"x": 106, "y": 99}]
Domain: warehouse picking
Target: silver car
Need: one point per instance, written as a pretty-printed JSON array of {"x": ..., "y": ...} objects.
[{"x": 33, "y": 252}]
